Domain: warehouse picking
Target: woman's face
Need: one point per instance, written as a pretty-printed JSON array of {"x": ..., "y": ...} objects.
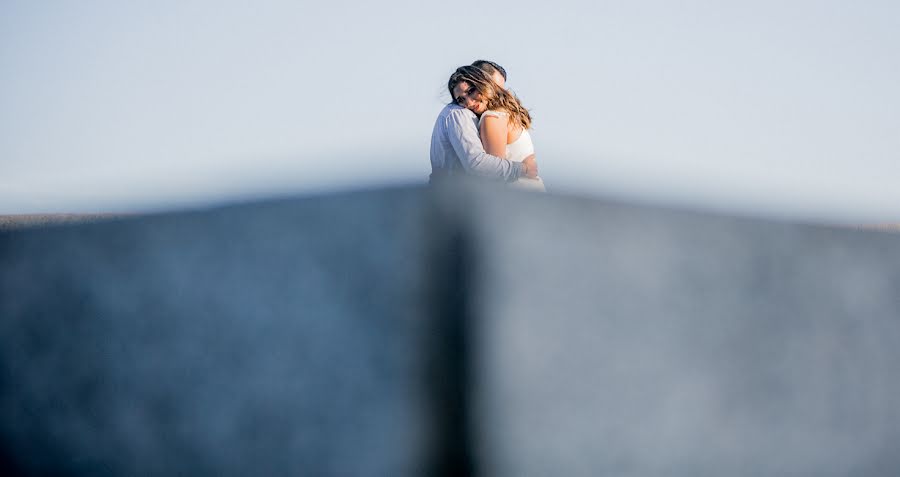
[{"x": 467, "y": 96}]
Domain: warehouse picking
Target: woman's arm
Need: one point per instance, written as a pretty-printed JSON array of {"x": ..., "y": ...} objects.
[
  {"x": 459, "y": 128},
  {"x": 493, "y": 133}
]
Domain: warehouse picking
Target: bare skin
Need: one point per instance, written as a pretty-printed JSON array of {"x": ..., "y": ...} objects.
[
  {"x": 496, "y": 133},
  {"x": 499, "y": 132},
  {"x": 498, "y": 78}
]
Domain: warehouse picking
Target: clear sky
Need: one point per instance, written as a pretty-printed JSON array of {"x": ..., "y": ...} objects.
[{"x": 780, "y": 108}]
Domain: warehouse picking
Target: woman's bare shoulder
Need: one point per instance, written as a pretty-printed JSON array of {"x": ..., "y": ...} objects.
[{"x": 500, "y": 117}]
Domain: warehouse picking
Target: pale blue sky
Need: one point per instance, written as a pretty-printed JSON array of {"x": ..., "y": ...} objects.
[{"x": 779, "y": 108}]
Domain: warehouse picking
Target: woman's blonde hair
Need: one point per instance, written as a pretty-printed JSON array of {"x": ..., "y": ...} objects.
[{"x": 497, "y": 97}]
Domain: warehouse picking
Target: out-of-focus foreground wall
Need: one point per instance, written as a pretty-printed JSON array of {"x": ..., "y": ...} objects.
[{"x": 455, "y": 330}]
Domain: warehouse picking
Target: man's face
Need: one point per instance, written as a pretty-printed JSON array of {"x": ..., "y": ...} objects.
[
  {"x": 467, "y": 96},
  {"x": 498, "y": 78}
]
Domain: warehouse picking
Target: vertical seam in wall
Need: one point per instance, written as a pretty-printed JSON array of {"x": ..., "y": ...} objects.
[{"x": 448, "y": 349}]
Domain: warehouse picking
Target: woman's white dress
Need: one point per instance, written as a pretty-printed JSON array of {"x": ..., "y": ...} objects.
[{"x": 517, "y": 151}]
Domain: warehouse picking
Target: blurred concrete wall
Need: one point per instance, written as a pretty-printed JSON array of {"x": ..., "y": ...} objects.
[
  {"x": 456, "y": 330},
  {"x": 281, "y": 338},
  {"x": 635, "y": 341}
]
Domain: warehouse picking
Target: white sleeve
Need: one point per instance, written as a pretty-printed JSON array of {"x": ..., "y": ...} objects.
[{"x": 496, "y": 114}]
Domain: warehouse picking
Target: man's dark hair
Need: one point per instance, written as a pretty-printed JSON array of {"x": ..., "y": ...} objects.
[{"x": 490, "y": 67}]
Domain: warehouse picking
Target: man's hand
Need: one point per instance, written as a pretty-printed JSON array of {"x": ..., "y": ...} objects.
[{"x": 530, "y": 166}]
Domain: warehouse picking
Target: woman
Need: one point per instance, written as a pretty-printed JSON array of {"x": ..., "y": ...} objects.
[{"x": 503, "y": 122}]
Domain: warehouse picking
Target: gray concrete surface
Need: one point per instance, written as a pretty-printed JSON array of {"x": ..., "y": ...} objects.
[
  {"x": 280, "y": 338},
  {"x": 309, "y": 337},
  {"x": 634, "y": 341},
  {"x": 23, "y": 221}
]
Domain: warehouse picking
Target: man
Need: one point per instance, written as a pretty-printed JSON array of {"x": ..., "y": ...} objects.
[
  {"x": 456, "y": 148},
  {"x": 496, "y": 72}
]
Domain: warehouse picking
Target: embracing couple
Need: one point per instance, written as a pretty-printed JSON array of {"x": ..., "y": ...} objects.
[{"x": 483, "y": 132}]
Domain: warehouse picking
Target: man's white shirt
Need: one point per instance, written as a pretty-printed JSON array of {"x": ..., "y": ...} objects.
[{"x": 457, "y": 149}]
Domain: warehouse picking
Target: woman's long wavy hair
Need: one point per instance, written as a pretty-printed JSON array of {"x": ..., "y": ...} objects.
[{"x": 497, "y": 97}]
